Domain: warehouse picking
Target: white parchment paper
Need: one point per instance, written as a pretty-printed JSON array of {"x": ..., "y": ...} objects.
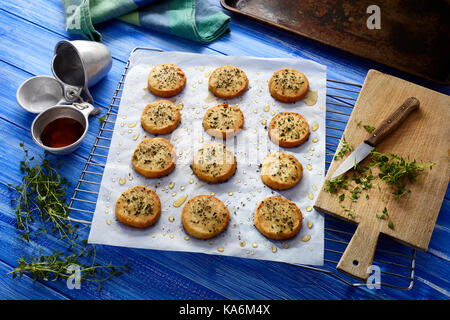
[{"x": 241, "y": 193}]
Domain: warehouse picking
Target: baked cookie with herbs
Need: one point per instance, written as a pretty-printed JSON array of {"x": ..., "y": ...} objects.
[
  {"x": 228, "y": 82},
  {"x": 166, "y": 80},
  {"x": 154, "y": 158},
  {"x": 160, "y": 117},
  {"x": 223, "y": 121},
  {"x": 278, "y": 218},
  {"x": 138, "y": 207},
  {"x": 288, "y": 129},
  {"x": 281, "y": 171},
  {"x": 288, "y": 85},
  {"x": 214, "y": 163},
  {"x": 204, "y": 217}
]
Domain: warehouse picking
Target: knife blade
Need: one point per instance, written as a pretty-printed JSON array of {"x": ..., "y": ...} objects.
[{"x": 382, "y": 131}]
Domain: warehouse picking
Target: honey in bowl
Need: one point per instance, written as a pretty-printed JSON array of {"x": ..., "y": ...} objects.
[{"x": 61, "y": 132}]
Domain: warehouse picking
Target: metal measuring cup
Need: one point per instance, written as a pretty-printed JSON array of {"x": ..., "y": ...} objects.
[
  {"x": 76, "y": 65},
  {"x": 81, "y": 64},
  {"x": 39, "y": 93},
  {"x": 77, "y": 111}
]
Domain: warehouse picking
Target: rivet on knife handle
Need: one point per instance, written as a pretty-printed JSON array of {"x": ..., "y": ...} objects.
[{"x": 393, "y": 121}]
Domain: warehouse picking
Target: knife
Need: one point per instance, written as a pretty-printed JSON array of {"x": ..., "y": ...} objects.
[{"x": 386, "y": 127}]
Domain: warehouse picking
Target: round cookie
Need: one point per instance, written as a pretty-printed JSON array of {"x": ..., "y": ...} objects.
[
  {"x": 281, "y": 171},
  {"x": 166, "y": 80},
  {"x": 138, "y": 207},
  {"x": 204, "y": 217},
  {"x": 160, "y": 117},
  {"x": 228, "y": 82},
  {"x": 213, "y": 163},
  {"x": 223, "y": 121},
  {"x": 288, "y": 129},
  {"x": 288, "y": 85},
  {"x": 278, "y": 218},
  {"x": 154, "y": 158}
]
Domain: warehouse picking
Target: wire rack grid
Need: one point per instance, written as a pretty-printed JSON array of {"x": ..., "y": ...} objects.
[{"x": 396, "y": 262}]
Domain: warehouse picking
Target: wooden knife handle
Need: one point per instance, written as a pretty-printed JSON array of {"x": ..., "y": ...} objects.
[{"x": 393, "y": 121}]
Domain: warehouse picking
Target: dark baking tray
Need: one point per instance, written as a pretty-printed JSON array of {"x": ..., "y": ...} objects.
[{"x": 414, "y": 36}]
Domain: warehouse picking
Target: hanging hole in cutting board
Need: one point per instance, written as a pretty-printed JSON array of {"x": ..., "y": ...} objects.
[{"x": 355, "y": 262}]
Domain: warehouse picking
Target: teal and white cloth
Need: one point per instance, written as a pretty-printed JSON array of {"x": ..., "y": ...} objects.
[{"x": 196, "y": 20}]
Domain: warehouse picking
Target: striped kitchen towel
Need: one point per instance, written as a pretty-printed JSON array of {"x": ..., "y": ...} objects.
[{"x": 196, "y": 20}]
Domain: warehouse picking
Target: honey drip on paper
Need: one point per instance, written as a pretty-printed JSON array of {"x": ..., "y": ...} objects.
[
  {"x": 311, "y": 98},
  {"x": 180, "y": 201},
  {"x": 210, "y": 98}
]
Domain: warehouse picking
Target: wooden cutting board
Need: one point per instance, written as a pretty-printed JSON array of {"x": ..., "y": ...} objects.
[{"x": 424, "y": 135}]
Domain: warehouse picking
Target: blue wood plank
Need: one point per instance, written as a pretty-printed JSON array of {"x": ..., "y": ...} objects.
[{"x": 203, "y": 276}]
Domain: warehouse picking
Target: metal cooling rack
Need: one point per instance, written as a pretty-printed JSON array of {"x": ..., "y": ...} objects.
[{"x": 396, "y": 261}]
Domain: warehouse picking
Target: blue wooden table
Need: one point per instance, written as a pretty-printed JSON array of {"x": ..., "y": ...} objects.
[{"x": 29, "y": 31}]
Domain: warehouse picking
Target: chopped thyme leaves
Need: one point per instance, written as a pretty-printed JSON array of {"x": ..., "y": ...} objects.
[
  {"x": 334, "y": 185},
  {"x": 395, "y": 171},
  {"x": 355, "y": 193},
  {"x": 101, "y": 120},
  {"x": 350, "y": 212},
  {"x": 369, "y": 128},
  {"x": 346, "y": 148},
  {"x": 384, "y": 214}
]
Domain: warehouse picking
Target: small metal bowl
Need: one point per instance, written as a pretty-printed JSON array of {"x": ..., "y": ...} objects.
[
  {"x": 40, "y": 93},
  {"x": 77, "y": 111}
]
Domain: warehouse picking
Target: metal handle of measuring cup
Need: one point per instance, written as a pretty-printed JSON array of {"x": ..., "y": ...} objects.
[{"x": 86, "y": 108}]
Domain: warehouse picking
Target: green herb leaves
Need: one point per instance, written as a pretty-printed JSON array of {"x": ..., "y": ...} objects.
[
  {"x": 41, "y": 207},
  {"x": 101, "y": 120},
  {"x": 392, "y": 169},
  {"x": 368, "y": 128},
  {"x": 396, "y": 171},
  {"x": 336, "y": 184},
  {"x": 385, "y": 216},
  {"x": 42, "y": 195},
  {"x": 345, "y": 148}
]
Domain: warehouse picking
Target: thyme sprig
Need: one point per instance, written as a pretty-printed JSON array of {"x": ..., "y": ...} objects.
[
  {"x": 57, "y": 267},
  {"x": 40, "y": 204},
  {"x": 42, "y": 196}
]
